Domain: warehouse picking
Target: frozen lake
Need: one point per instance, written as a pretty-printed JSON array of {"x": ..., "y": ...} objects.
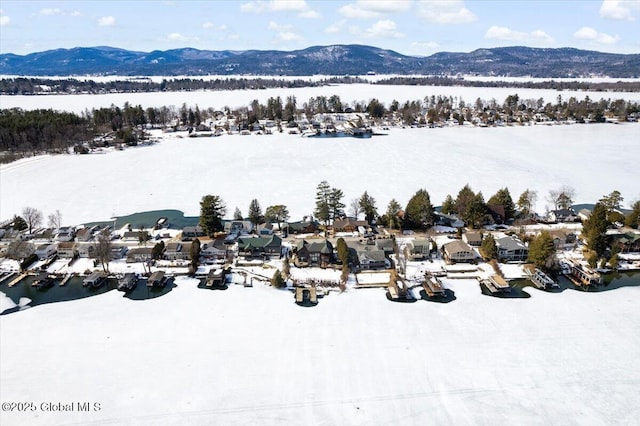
[{"x": 285, "y": 169}]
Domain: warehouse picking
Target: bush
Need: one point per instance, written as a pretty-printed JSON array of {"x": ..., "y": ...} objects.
[{"x": 277, "y": 281}]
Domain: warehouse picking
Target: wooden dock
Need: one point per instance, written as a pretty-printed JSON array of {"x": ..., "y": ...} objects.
[
  {"x": 7, "y": 277},
  {"x": 17, "y": 279},
  {"x": 66, "y": 279}
]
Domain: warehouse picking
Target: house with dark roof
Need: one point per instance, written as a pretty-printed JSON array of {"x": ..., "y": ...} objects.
[
  {"x": 214, "y": 250},
  {"x": 177, "y": 251},
  {"x": 386, "y": 245},
  {"x": 191, "y": 232},
  {"x": 270, "y": 246},
  {"x": 562, "y": 215},
  {"x": 303, "y": 227},
  {"x": 511, "y": 249},
  {"x": 316, "y": 253}
]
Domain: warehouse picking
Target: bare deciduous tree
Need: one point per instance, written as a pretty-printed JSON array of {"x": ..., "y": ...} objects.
[
  {"x": 354, "y": 208},
  {"x": 32, "y": 216},
  {"x": 103, "y": 250},
  {"x": 55, "y": 220}
]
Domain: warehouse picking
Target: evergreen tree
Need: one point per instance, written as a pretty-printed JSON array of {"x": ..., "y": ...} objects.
[
  {"x": 323, "y": 211},
  {"x": 527, "y": 201},
  {"x": 194, "y": 253},
  {"x": 475, "y": 211},
  {"x": 158, "y": 249},
  {"x": 562, "y": 198},
  {"x": 368, "y": 206},
  {"x": 542, "y": 251},
  {"x": 255, "y": 213},
  {"x": 612, "y": 201},
  {"x": 212, "y": 209},
  {"x": 488, "y": 248},
  {"x": 18, "y": 223},
  {"x": 336, "y": 206},
  {"x": 503, "y": 198},
  {"x": 419, "y": 211},
  {"x": 343, "y": 251},
  {"x": 393, "y": 209},
  {"x": 237, "y": 214},
  {"x": 594, "y": 229},
  {"x": 633, "y": 219},
  {"x": 448, "y": 205},
  {"x": 464, "y": 198}
]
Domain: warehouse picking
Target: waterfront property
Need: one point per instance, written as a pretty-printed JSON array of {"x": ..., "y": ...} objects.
[{"x": 458, "y": 251}]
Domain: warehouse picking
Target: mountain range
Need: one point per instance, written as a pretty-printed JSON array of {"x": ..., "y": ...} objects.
[{"x": 329, "y": 60}]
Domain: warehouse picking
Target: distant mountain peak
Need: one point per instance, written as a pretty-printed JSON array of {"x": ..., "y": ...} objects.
[{"x": 334, "y": 59}]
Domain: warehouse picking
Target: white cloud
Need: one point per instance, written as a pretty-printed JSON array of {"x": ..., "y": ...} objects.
[
  {"x": 284, "y": 32},
  {"x": 50, "y": 11},
  {"x": 383, "y": 29},
  {"x": 309, "y": 14},
  {"x": 262, "y": 6},
  {"x": 370, "y": 9},
  {"x": 446, "y": 12},
  {"x": 352, "y": 11},
  {"x": 76, "y": 13},
  {"x": 590, "y": 34},
  {"x": 4, "y": 20},
  {"x": 507, "y": 34},
  {"x": 335, "y": 28},
  {"x": 176, "y": 37},
  {"x": 207, "y": 25},
  {"x": 107, "y": 21},
  {"x": 288, "y": 5},
  {"x": 618, "y": 10}
]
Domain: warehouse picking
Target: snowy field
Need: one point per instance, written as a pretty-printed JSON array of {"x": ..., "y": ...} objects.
[
  {"x": 251, "y": 356},
  {"x": 285, "y": 169},
  {"x": 348, "y": 93}
]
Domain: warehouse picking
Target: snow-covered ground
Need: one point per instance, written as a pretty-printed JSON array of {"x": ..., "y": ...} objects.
[
  {"x": 348, "y": 93},
  {"x": 285, "y": 169},
  {"x": 251, "y": 356}
]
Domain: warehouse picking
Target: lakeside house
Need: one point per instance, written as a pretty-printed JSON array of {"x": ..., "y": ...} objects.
[
  {"x": 139, "y": 254},
  {"x": 317, "y": 253},
  {"x": 511, "y": 249},
  {"x": 458, "y": 251},
  {"x": 177, "y": 251},
  {"x": 45, "y": 251},
  {"x": 263, "y": 247},
  {"x": 418, "y": 249},
  {"x": 473, "y": 238}
]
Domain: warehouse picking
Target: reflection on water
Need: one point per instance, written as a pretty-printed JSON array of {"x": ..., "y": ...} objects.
[{"x": 611, "y": 282}]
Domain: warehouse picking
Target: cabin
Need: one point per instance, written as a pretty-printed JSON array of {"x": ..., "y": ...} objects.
[
  {"x": 473, "y": 238},
  {"x": 45, "y": 251},
  {"x": 458, "y": 251},
  {"x": 157, "y": 279},
  {"x": 511, "y": 249}
]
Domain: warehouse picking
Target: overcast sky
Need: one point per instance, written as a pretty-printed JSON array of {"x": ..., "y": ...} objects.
[{"x": 410, "y": 27}]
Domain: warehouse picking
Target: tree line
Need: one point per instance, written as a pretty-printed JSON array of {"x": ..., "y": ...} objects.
[{"x": 34, "y": 85}]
